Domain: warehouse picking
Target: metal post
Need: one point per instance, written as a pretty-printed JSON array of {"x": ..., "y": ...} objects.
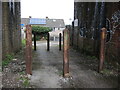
[
  {"x": 60, "y": 41},
  {"x": 72, "y": 33},
  {"x": 48, "y": 42},
  {"x": 102, "y": 48},
  {"x": 66, "y": 53},
  {"x": 28, "y": 49},
  {"x": 35, "y": 42}
]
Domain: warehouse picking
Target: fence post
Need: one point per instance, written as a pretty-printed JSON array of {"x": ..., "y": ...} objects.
[
  {"x": 66, "y": 53},
  {"x": 60, "y": 36},
  {"x": 28, "y": 49},
  {"x": 48, "y": 42},
  {"x": 34, "y": 41},
  {"x": 102, "y": 48}
]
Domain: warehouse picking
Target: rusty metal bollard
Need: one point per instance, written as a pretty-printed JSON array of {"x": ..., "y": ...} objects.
[
  {"x": 60, "y": 36},
  {"x": 66, "y": 53},
  {"x": 28, "y": 49},
  {"x": 102, "y": 48},
  {"x": 48, "y": 42}
]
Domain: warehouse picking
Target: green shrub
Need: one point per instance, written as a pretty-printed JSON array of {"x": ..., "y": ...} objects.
[
  {"x": 39, "y": 29},
  {"x": 37, "y": 38}
]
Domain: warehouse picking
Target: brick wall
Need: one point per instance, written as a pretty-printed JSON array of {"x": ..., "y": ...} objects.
[
  {"x": 5, "y": 29},
  {"x": 11, "y": 40},
  {"x": 0, "y": 30},
  {"x": 91, "y": 18}
]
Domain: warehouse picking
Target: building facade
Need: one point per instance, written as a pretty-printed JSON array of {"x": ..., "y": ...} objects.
[
  {"x": 11, "y": 29},
  {"x": 57, "y": 26},
  {"x": 89, "y": 18}
]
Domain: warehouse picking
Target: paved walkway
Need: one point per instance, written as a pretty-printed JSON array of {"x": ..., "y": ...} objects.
[{"x": 48, "y": 66}]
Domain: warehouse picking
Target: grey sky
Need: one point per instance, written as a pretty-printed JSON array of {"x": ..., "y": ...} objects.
[{"x": 58, "y": 9}]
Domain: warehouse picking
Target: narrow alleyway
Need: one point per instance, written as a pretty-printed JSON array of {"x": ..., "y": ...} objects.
[{"x": 47, "y": 70}]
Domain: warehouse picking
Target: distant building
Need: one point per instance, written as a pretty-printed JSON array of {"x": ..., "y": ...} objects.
[{"x": 57, "y": 25}]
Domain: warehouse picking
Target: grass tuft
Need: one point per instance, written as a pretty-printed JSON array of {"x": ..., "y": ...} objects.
[{"x": 7, "y": 59}]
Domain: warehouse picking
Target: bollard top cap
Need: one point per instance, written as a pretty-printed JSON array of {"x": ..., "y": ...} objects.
[{"x": 103, "y": 29}]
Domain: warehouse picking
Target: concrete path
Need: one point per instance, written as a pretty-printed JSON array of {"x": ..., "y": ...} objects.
[{"x": 48, "y": 66}]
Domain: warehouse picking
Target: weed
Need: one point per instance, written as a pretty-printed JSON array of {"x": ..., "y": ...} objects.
[
  {"x": 25, "y": 80},
  {"x": 91, "y": 57},
  {"x": 7, "y": 59},
  {"x": 60, "y": 73},
  {"x": 21, "y": 73},
  {"x": 106, "y": 71},
  {"x": 26, "y": 83}
]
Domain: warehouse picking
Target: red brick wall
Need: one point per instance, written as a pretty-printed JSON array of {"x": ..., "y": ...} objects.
[
  {"x": 11, "y": 30},
  {"x": 85, "y": 13}
]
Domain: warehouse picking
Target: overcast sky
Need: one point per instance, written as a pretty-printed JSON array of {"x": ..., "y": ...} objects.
[{"x": 54, "y": 9}]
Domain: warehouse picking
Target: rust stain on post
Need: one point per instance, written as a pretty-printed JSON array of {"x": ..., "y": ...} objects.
[
  {"x": 66, "y": 53},
  {"x": 28, "y": 49},
  {"x": 102, "y": 48}
]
